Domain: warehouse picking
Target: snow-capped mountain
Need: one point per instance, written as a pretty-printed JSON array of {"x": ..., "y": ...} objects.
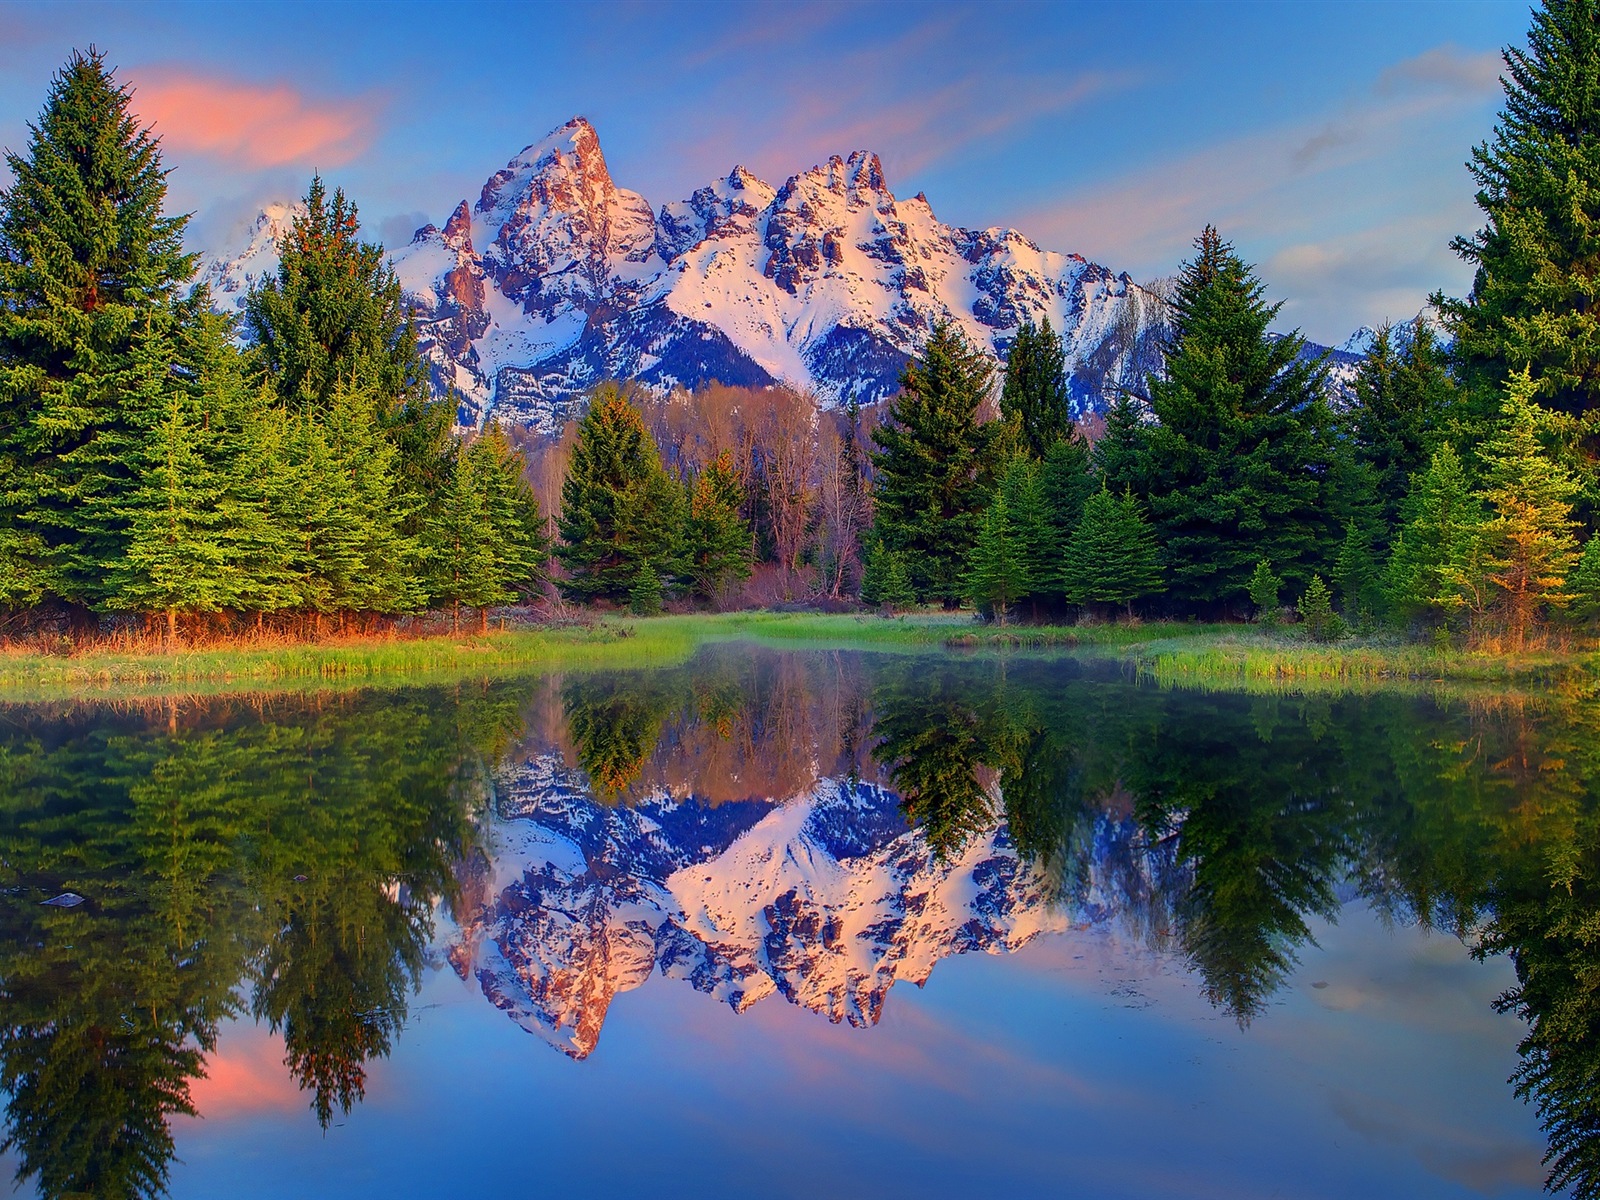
[
  {"x": 556, "y": 278},
  {"x": 230, "y": 277},
  {"x": 826, "y": 898}
]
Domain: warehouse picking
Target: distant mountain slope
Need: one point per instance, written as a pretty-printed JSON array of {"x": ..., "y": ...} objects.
[{"x": 556, "y": 278}]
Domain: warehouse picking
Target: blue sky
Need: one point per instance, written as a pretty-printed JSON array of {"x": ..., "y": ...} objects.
[{"x": 1325, "y": 139}]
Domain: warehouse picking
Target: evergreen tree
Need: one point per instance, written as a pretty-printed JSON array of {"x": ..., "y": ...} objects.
[
  {"x": 1035, "y": 392},
  {"x": 719, "y": 538},
  {"x": 1433, "y": 567},
  {"x": 1112, "y": 557},
  {"x": 1119, "y": 454},
  {"x": 997, "y": 572},
  {"x": 460, "y": 556},
  {"x": 1536, "y": 274},
  {"x": 1264, "y": 588},
  {"x": 1065, "y": 484},
  {"x": 932, "y": 463},
  {"x": 1356, "y": 575},
  {"x": 1528, "y": 545},
  {"x": 332, "y": 315},
  {"x": 1405, "y": 402},
  {"x": 1584, "y": 583},
  {"x": 519, "y": 551},
  {"x": 1316, "y": 611},
  {"x": 621, "y": 515},
  {"x": 1028, "y": 520},
  {"x": 1236, "y": 467},
  {"x": 90, "y": 272}
]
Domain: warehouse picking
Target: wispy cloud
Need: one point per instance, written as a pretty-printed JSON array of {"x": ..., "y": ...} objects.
[
  {"x": 1351, "y": 207},
  {"x": 253, "y": 125}
]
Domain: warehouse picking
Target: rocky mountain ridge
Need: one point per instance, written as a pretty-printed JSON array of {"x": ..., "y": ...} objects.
[
  {"x": 555, "y": 278},
  {"x": 826, "y": 898}
]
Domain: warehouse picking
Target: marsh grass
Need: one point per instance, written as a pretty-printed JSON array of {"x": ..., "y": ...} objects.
[{"x": 1170, "y": 654}]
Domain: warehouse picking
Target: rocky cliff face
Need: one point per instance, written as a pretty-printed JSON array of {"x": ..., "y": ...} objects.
[
  {"x": 556, "y": 278},
  {"x": 826, "y": 899}
]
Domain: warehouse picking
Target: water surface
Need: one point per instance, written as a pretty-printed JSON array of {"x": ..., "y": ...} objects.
[{"x": 803, "y": 922}]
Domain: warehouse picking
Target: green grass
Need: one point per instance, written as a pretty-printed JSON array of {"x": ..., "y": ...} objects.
[{"x": 1226, "y": 656}]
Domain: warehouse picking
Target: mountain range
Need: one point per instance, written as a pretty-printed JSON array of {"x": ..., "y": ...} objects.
[
  {"x": 555, "y": 278},
  {"x": 826, "y": 898}
]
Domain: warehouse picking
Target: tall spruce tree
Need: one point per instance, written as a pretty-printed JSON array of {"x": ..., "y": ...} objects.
[
  {"x": 1236, "y": 467},
  {"x": 519, "y": 552},
  {"x": 621, "y": 520},
  {"x": 90, "y": 273},
  {"x": 932, "y": 463},
  {"x": 1536, "y": 260},
  {"x": 1034, "y": 392}
]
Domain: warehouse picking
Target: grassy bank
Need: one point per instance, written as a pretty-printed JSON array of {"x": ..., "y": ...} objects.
[{"x": 1178, "y": 654}]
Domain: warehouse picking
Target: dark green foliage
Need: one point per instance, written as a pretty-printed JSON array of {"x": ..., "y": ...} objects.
[
  {"x": 1537, "y": 258},
  {"x": 1034, "y": 392},
  {"x": 932, "y": 464},
  {"x": 1118, "y": 455},
  {"x": 886, "y": 581},
  {"x": 332, "y": 316},
  {"x": 1356, "y": 575},
  {"x": 621, "y": 517},
  {"x": 1112, "y": 557},
  {"x": 90, "y": 270},
  {"x": 1584, "y": 583},
  {"x": 1406, "y": 404},
  {"x": 719, "y": 540},
  {"x": 1434, "y": 568},
  {"x": 1065, "y": 484},
  {"x": 1264, "y": 588},
  {"x": 1316, "y": 612},
  {"x": 1236, "y": 467},
  {"x": 997, "y": 570}
]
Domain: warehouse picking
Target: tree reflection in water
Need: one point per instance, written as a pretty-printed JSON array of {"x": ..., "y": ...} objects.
[{"x": 283, "y": 858}]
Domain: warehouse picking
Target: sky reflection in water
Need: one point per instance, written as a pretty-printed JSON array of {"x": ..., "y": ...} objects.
[{"x": 1140, "y": 1026}]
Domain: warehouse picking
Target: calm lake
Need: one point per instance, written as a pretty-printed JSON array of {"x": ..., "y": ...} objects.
[{"x": 802, "y": 923}]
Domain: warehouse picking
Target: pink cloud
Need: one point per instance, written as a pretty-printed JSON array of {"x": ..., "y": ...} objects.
[
  {"x": 246, "y": 1075},
  {"x": 253, "y": 125}
]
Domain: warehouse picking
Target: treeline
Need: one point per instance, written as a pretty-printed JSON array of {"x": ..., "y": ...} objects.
[
  {"x": 152, "y": 466},
  {"x": 1452, "y": 487}
]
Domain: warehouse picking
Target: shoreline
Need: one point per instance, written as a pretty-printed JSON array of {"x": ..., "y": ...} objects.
[{"x": 1174, "y": 654}]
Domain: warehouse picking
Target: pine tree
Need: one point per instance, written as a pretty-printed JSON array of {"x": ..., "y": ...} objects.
[
  {"x": 1405, "y": 403},
  {"x": 1264, "y": 588},
  {"x": 519, "y": 552},
  {"x": 1536, "y": 278},
  {"x": 1356, "y": 575},
  {"x": 90, "y": 272},
  {"x": 932, "y": 463},
  {"x": 1236, "y": 467},
  {"x": 1065, "y": 484},
  {"x": 1119, "y": 454},
  {"x": 1316, "y": 611},
  {"x": 1584, "y": 583},
  {"x": 719, "y": 540},
  {"x": 874, "y": 574},
  {"x": 1433, "y": 567},
  {"x": 1529, "y": 549},
  {"x": 1035, "y": 392},
  {"x": 898, "y": 591},
  {"x": 1027, "y": 515},
  {"x": 1112, "y": 557},
  {"x": 460, "y": 556},
  {"x": 621, "y": 515},
  {"x": 997, "y": 570}
]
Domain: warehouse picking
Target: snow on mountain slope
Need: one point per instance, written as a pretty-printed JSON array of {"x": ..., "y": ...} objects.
[
  {"x": 557, "y": 278},
  {"x": 826, "y": 898},
  {"x": 231, "y": 275}
]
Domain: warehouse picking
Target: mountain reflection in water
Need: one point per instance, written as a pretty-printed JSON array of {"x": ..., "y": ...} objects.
[{"x": 818, "y": 825}]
